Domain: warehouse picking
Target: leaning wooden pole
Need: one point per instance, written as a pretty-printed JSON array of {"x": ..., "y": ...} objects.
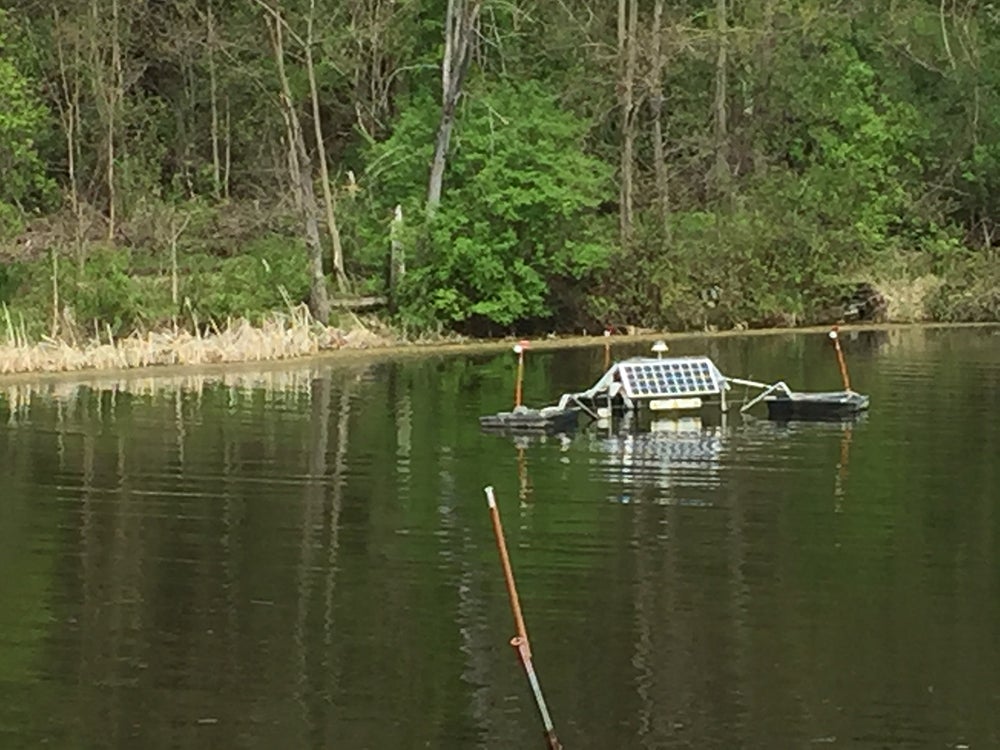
[
  {"x": 835, "y": 337},
  {"x": 520, "y": 641}
]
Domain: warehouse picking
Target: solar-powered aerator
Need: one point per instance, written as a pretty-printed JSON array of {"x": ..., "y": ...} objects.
[
  {"x": 659, "y": 384},
  {"x": 679, "y": 384}
]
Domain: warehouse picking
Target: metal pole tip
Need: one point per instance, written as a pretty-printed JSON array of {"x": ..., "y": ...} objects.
[{"x": 490, "y": 500}]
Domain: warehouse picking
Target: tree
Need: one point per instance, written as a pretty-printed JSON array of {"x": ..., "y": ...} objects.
[
  {"x": 22, "y": 118},
  {"x": 656, "y": 111},
  {"x": 300, "y": 167},
  {"x": 520, "y": 213},
  {"x": 628, "y": 25},
  {"x": 722, "y": 174},
  {"x": 460, "y": 24}
]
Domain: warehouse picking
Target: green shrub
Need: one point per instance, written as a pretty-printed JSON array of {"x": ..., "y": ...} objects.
[
  {"x": 264, "y": 276},
  {"x": 11, "y": 222},
  {"x": 516, "y": 215},
  {"x": 105, "y": 292},
  {"x": 23, "y": 118}
]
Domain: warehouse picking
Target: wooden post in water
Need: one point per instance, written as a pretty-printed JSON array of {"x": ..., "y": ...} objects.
[
  {"x": 520, "y": 641},
  {"x": 607, "y": 349},
  {"x": 835, "y": 337}
]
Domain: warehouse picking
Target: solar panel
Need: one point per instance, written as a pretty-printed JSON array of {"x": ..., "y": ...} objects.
[{"x": 670, "y": 377}]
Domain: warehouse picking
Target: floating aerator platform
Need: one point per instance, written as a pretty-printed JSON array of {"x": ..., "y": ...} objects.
[
  {"x": 658, "y": 383},
  {"x": 675, "y": 384}
]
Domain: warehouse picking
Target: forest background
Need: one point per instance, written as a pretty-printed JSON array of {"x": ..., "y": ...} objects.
[{"x": 497, "y": 166}]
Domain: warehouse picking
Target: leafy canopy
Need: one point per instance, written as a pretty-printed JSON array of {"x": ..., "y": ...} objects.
[
  {"x": 517, "y": 212},
  {"x": 22, "y": 118}
]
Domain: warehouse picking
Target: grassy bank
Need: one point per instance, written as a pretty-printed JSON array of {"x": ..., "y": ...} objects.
[{"x": 230, "y": 289}]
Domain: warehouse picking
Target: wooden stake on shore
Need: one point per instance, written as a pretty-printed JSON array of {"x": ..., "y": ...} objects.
[{"x": 520, "y": 641}]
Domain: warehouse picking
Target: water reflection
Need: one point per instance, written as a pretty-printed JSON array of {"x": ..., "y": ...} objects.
[
  {"x": 681, "y": 454},
  {"x": 19, "y": 393}
]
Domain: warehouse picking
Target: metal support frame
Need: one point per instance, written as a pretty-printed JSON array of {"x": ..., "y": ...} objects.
[{"x": 767, "y": 390}]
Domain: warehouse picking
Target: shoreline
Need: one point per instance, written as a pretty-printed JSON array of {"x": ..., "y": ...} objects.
[{"x": 373, "y": 346}]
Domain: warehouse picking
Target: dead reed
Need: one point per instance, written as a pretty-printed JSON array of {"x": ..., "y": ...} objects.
[{"x": 281, "y": 336}]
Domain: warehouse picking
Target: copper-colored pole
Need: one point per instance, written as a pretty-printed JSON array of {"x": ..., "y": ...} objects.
[
  {"x": 520, "y": 641},
  {"x": 508, "y": 573},
  {"x": 835, "y": 337}
]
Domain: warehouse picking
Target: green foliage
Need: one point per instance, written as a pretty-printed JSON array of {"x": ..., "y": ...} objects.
[
  {"x": 11, "y": 275},
  {"x": 11, "y": 222},
  {"x": 834, "y": 184},
  {"x": 855, "y": 133},
  {"x": 266, "y": 275},
  {"x": 847, "y": 147},
  {"x": 104, "y": 291},
  {"x": 22, "y": 117},
  {"x": 517, "y": 211},
  {"x": 101, "y": 291}
]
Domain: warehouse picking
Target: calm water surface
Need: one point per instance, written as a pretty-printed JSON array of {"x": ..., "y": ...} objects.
[{"x": 303, "y": 559}]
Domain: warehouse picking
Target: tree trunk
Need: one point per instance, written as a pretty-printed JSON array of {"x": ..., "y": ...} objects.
[
  {"x": 397, "y": 259},
  {"x": 459, "y": 24},
  {"x": 213, "y": 94},
  {"x": 628, "y": 147},
  {"x": 441, "y": 142},
  {"x": 656, "y": 109},
  {"x": 228, "y": 158},
  {"x": 55, "y": 292},
  {"x": 69, "y": 106},
  {"x": 115, "y": 93},
  {"x": 319, "y": 301},
  {"x": 175, "y": 235},
  {"x": 627, "y": 31},
  {"x": 302, "y": 183},
  {"x": 722, "y": 174},
  {"x": 106, "y": 80},
  {"x": 328, "y": 199}
]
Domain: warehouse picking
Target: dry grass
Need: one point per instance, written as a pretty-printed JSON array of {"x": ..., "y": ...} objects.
[
  {"x": 280, "y": 337},
  {"x": 906, "y": 297}
]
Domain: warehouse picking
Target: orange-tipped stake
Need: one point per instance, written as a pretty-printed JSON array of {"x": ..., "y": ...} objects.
[
  {"x": 520, "y": 641},
  {"x": 835, "y": 337},
  {"x": 519, "y": 349}
]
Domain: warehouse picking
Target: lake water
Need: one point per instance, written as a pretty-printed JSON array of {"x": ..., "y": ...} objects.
[{"x": 303, "y": 558}]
